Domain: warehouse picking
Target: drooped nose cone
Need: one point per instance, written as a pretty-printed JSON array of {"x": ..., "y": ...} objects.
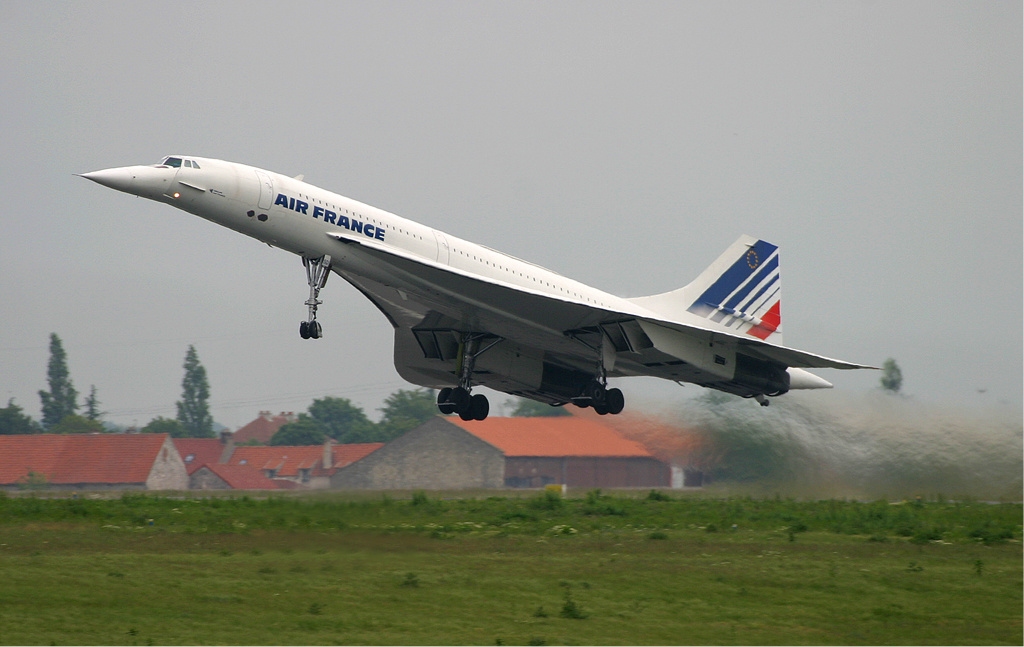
[
  {"x": 144, "y": 181},
  {"x": 114, "y": 178}
]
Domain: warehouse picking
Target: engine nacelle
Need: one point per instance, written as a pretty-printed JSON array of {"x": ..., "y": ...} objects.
[{"x": 756, "y": 377}]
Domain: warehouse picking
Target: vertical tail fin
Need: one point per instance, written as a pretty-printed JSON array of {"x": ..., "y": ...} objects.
[{"x": 740, "y": 291}]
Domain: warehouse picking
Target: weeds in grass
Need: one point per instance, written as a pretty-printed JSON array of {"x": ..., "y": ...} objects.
[
  {"x": 316, "y": 609},
  {"x": 658, "y": 535},
  {"x": 536, "y": 640},
  {"x": 550, "y": 500},
  {"x": 978, "y": 566},
  {"x": 540, "y": 613},
  {"x": 570, "y": 609},
  {"x": 411, "y": 580}
]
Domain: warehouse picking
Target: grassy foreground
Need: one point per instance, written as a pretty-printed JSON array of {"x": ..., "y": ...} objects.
[{"x": 646, "y": 569}]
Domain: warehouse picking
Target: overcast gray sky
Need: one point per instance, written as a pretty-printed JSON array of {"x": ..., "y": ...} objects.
[{"x": 621, "y": 144}]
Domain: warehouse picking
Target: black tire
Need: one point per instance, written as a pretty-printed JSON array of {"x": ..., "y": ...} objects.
[
  {"x": 461, "y": 399},
  {"x": 479, "y": 407},
  {"x": 444, "y": 405},
  {"x": 615, "y": 401},
  {"x": 601, "y": 409},
  {"x": 596, "y": 392},
  {"x": 304, "y": 330},
  {"x": 315, "y": 331}
]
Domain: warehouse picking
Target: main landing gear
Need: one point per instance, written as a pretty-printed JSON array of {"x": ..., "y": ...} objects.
[
  {"x": 317, "y": 271},
  {"x": 604, "y": 400},
  {"x": 596, "y": 392},
  {"x": 459, "y": 399}
]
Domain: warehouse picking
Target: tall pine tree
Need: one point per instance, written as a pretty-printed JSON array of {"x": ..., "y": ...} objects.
[
  {"x": 92, "y": 405},
  {"x": 62, "y": 399},
  {"x": 194, "y": 408}
]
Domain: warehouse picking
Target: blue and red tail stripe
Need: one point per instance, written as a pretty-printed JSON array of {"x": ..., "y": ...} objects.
[{"x": 747, "y": 294}]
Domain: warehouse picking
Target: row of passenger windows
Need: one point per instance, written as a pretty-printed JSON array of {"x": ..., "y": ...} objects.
[{"x": 526, "y": 276}]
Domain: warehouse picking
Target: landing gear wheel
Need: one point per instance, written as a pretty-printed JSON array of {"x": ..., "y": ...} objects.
[
  {"x": 444, "y": 403},
  {"x": 601, "y": 409},
  {"x": 310, "y": 330},
  {"x": 615, "y": 401},
  {"x": 461, "y": 399},
  {"x": 479, "y": 407},
  {"x": 596, "y": 392}
]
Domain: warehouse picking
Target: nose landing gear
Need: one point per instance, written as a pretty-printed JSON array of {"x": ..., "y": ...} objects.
[{"x": 317, "y": 272}]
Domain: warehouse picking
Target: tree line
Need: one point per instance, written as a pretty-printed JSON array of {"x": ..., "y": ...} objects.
[
  {"x": 60, "y": 405},
  {"x": 329, "y": 417}
]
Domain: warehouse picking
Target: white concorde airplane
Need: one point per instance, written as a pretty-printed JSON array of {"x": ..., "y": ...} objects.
[{"x": 467, "y": 315}]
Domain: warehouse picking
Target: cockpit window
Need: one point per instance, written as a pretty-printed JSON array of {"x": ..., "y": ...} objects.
[
  {"x": 195, "y": 164},
  {"x": 188, "y": 163},
  {"x": 172, "y": 161}
]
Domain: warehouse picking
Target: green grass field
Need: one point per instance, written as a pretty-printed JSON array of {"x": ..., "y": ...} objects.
[{"x": 593, "y": 569}]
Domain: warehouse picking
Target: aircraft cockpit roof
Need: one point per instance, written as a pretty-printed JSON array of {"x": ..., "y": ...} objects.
[{"x": 178, "y": 162}]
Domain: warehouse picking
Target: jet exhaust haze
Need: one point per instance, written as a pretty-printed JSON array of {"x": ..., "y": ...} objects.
[{"x": 870, "y": 446}]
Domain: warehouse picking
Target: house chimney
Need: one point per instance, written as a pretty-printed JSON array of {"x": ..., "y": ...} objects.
[
  {"x": 328, "y": 461},
  {"x": 229, "y": 448}
]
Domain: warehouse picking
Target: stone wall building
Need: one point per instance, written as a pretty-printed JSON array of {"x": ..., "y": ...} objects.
[
  {"x": 437, "y": 455},
  {"x": 448, "y": 453}
]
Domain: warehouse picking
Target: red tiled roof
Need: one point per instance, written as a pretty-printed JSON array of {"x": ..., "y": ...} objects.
[
  {"x": 72, "y": 459},
  {"x": 286, "y": 459},
  {"x": 552, "y": 437},
  {"x": 262, "y": 428},
  {"x": 203, "y": 451},
  {"x": 242, "y": 477},
  {"x": 352, "y": 452}
]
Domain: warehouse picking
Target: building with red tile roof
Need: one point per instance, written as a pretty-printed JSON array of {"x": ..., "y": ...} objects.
[
  {"x": 216, "y": 476},
  {"x": 310, "y": 465},
  {"x": 92, "y": 461},
  {"x": 196, "y": 452},
  {"x": 448, "y": 453},
  {"x": 552, "y": 437},
  {"x": 263, "y": 427}
]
